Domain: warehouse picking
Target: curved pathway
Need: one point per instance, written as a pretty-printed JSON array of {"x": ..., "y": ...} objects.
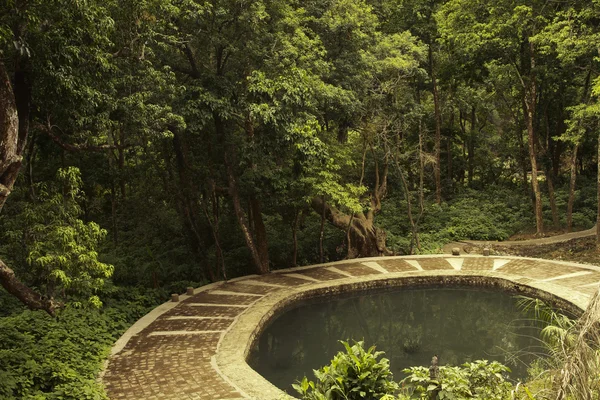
[
  {"x": 172, "y": 353},
  {"x": 565, "y": 237}
]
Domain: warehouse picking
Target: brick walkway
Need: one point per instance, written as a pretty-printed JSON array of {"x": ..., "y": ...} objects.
[{"x": 170, "y": 354}]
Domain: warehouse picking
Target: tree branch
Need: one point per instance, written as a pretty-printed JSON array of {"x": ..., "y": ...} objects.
[
  {"x": 33, "y": 300},
  {"x": 332, "y": 214},
  {"x": 189, "y": 53},
  {"x": 80, "y": 147}
]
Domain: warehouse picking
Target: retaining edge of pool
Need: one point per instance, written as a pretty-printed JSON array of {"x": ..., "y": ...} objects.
[{"x": 235, "y": 344}]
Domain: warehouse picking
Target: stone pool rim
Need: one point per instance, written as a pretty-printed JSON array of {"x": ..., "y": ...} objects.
[{"x": 230, "y": 360}]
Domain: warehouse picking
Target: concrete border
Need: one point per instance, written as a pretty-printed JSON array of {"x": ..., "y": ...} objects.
[
  {"x": 231, "y": 355},
  {"x": 152, "y": 316},
  {"x": 228, "y": 375},
  {"x": 419, "y": 256}
]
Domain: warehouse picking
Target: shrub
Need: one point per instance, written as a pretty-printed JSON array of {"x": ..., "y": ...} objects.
[
  {"x": 493, "y": 214},
  {"x": 477, "y": 380},
  {"x": 59, "y": 358},
  {"x": 353, "y": 375}
]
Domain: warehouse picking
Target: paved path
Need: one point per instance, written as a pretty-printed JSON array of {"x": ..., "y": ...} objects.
[
  {"x": 565, "y": 237},
  {"x": 170, "y": 353}
]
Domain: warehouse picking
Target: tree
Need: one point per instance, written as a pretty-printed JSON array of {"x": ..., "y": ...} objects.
[
  {"x": 59, "y": 250},
  {"x": 11, "y": 156},
  {"x": 504, "y": 31},
  {"x": 568, "y": 37},
  {"x": 63, "y": 82}
]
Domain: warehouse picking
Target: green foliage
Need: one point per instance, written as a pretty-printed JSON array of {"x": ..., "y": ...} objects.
[
  {"x": 353, "y": 375},
  {"x": 356, "y": 374},
  {"x": 493, "y": 214},
  {"x": 59, "y": 248},
  {"x": 59, "y": 359},
  {"x": 585, "y": 204},
  {"x": 477, "y": 380},
  {"x": 295, "y": 100}
]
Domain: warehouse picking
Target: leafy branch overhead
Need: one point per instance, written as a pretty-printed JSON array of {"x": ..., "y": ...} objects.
[{"x": 232, "y": 121}]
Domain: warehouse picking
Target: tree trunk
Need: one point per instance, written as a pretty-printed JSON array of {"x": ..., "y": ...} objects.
[
  {"x": 14, "y": 127},
  {"x": 189, "y": 199},
  {"x": 113, "y": 213},
  {"x": 260, "y": 233},
  {"x": 464, "y": 144},
  {"x": 550, "y": 180},
  {"x": 214, "y": 227},
  {"x": 234, "y": 194},
  {"x": 243, "y": 223},
  {"x": 321, "y": 233},
  {"x": 549, "y": 171},
  {"x": 295, "y": 238},
  {"x": 10, "y": 156},
  {"x": 522, "y": 150},
  {"x": 33, "y": 300},
  {"x": 471, "y": 147},
  {"x": 534, "y": 175},
  {"x": 121, "y": 163},
  {"x": 366, "y": 239},
  {"x": 530, "y": 98},
  {"x": 349, "y": 248},
  {"x": 449, "y": 155},
  {"x": 450, "y": 172},
  {"x": 414, "y": 241},
  {"x": 220, "y": 260},
  {"x": 421, "y": 170},
  {"x": 572, "y": 183},
  {"x": 598, "y": 198},
  {"x": 30, "y": 177},
  {"x": 438, "y": 131},
  {"x": 584, "y": 99}
]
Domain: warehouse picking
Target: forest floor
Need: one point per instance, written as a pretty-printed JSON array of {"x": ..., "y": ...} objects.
[{"x": 575, "y": 246}]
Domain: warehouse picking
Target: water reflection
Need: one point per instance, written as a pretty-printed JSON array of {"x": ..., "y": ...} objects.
[{"x": 410, "y": 325}]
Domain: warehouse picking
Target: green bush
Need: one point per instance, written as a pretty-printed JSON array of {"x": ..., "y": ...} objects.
[
  {"x": 42, "y": 357},
  {"x": 477, "y": 380},
  {"x": 357, "y": 374},
  {"x": 490, "y": 215},
  {"x": 59, "y": 358},
  {"x": 353, "y": 375},
  {"x": 493, "y": 214}
]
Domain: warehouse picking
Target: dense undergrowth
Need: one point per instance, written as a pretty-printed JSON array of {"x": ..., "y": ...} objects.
[
  {"x": 363, "y": 374},
  {"x": 496, "y": 213},
  {"x": 59, "y": 358}
]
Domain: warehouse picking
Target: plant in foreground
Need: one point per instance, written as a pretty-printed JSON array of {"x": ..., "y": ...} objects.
[
  {"x": 476, "y": 380},
  {"x": 353, "y": 375}
]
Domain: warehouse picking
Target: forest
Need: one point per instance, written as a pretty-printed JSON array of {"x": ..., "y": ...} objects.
[{"x": 151, "y": 145}]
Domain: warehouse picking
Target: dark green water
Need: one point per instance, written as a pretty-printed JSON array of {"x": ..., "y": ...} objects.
[{"x": 410, "y": 325}]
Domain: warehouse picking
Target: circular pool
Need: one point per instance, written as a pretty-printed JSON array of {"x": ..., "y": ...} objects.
[
  {"x": 458, "y": 324},
  {"x": 240, "y": 347}
]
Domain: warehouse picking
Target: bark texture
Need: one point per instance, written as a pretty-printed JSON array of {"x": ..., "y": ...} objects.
[
  {"x": 243, "y": 222},
  {"x": 530, "y": 98},
  {"x": 10, "y": 156},
  {"x": 572, "y": 183},
  {"x": 598, "y": 198},
  {"x": 365, "y": 239},
  {"x": 534, "y": 172},
  {"x": 33, "y": 300},
  {"x": 14, "y": 126},
  {"x": 438, "y": 131}
]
